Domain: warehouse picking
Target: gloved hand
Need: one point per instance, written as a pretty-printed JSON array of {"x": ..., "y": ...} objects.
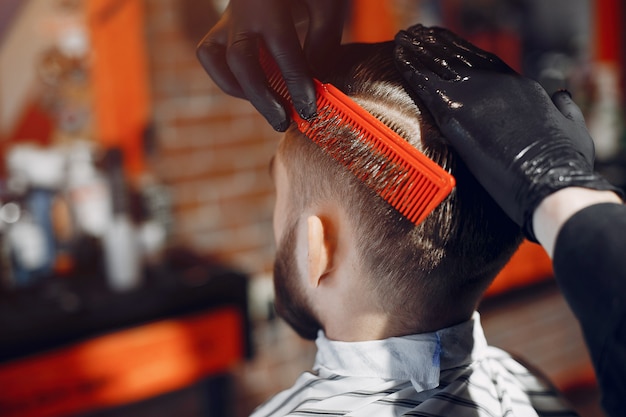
[
  {"x": 518, "y": 143},
  {"x": 229, "y": 51}
]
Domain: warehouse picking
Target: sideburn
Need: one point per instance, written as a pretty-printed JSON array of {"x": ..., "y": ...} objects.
[{"x": 290, "y": 301}]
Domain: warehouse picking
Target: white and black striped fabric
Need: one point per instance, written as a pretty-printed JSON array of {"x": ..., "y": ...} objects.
[{"x": 452, "y": 373}]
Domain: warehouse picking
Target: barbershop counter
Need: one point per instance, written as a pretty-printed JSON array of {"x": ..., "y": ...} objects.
[{"x": 70, "y": 344}]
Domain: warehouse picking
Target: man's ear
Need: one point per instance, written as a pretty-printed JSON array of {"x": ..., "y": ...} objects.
[{"x": 319, "y": 256}]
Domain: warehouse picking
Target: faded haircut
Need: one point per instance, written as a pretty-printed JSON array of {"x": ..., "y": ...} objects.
[{"x": 437, "y": 270}]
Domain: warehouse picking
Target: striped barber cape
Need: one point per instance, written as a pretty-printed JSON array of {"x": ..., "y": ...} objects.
[{"x": 451, "y": 372}]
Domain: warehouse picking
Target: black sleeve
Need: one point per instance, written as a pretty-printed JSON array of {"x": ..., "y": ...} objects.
[{"x": 590, "y": 268}]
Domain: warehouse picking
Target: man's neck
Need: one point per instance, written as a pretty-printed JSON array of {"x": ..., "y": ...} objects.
[{"x": 364, "y": 327}]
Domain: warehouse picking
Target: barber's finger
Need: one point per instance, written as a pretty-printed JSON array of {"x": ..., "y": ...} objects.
[
  {"x": 326, "y": 20},
  {"x": 288, "y": 55},
  {"x": 423, "y": 82},
  {"x": 243, "y": 59},
  {"x": 283, "y": 45},
  {"x": 562, "y": 99},
  {"x": 430, "y": 47},
  {"x": 211, "y": 52},
  {"x": 412, "y": 68},
  {"x": 418, "y": 50}
]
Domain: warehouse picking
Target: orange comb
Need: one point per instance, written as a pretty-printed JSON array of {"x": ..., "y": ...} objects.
[{"x": 403, "y": 176}]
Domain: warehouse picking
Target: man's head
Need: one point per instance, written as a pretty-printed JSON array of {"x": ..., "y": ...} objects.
[{"x": 346, "y": 258}]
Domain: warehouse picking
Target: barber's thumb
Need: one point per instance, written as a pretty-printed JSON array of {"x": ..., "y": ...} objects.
[{"x": 562, "y": 99}]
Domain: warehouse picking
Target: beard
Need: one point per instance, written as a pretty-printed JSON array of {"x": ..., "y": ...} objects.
[{"x": 290, "y": 303}]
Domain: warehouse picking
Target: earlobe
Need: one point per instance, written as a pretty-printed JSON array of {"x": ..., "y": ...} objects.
[{"x": 318, "y": 257}]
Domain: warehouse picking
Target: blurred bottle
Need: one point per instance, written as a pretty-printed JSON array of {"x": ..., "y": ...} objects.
[
  {"x": 6, "y": 271},
  {"x": 122, "y": 259},
  {"x": 88, "y": 191},
  {"x": 604, "y": 121},
  {"x": 155, "y": 214},
  {"x": 9, "y": 214},
  {"x": 35, "y": 176},
  {"x": 28, "y": 248},
  {"x": 6, "y": 268}
]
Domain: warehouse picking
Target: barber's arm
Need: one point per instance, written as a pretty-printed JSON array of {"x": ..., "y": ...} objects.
[
  {"x": 557, "y": 208},
  {"x": 534, "y": 156},
  {"x": 229, "y": 51}
]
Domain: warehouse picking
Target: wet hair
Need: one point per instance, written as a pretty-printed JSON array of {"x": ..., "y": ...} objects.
[{"x": 428, "y": 275}]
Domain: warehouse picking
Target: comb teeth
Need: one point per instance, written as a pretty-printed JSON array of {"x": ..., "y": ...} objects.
[{"x": 404, "y": 177}]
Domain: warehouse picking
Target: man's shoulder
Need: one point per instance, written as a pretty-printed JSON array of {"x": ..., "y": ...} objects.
[{"x": 494, "y": 385}]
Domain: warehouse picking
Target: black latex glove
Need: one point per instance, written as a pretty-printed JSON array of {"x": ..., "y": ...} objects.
[
  {"x": 519, "y": 143},
  {"x": 229, "y": 51}
]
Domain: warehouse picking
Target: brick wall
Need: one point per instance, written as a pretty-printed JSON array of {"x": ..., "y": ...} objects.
[{"x": 213, "y": 150}]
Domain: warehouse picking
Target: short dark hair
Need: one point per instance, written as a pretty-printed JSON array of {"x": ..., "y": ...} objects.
[{"x": 438, "y": 270}]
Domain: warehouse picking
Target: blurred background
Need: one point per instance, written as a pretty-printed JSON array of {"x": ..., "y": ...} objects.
[{"x": 136, "y": 243}]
